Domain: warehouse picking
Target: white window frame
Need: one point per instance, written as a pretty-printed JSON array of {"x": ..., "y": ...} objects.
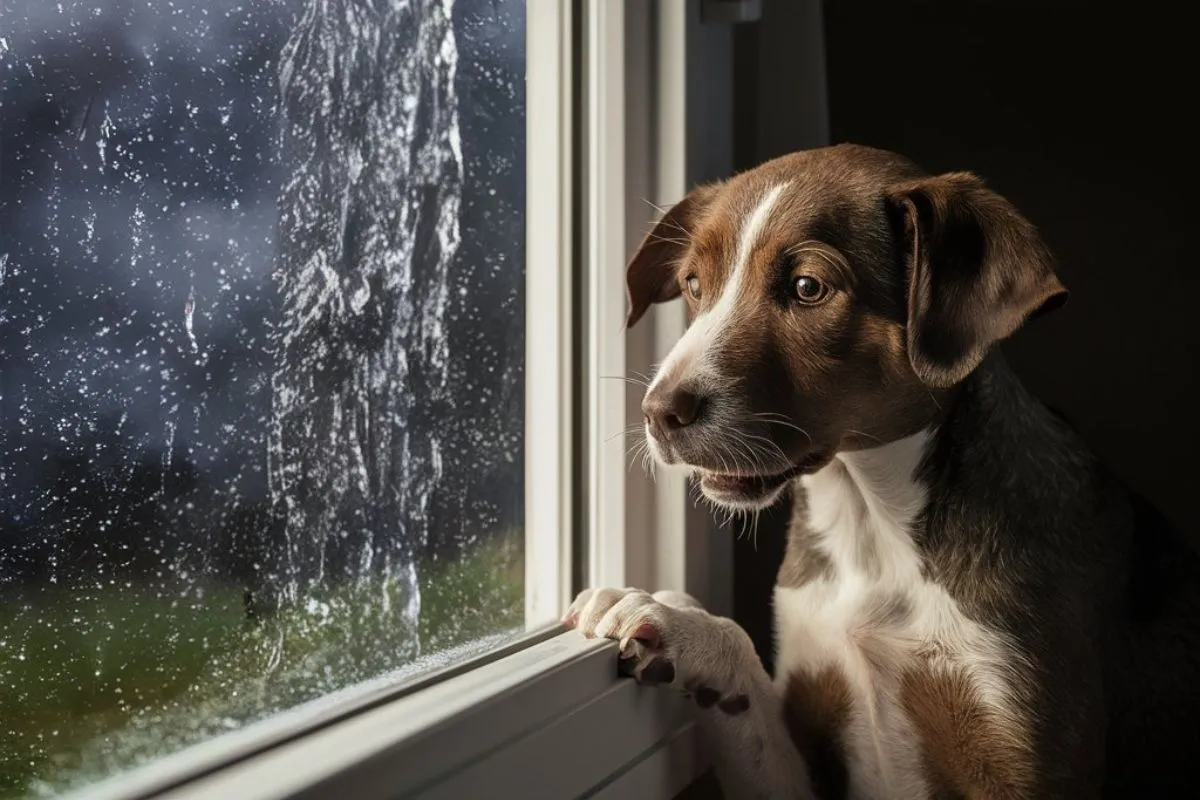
[
  {"x": 549, "y": 717},
  {"x": 550, "y": 390}
]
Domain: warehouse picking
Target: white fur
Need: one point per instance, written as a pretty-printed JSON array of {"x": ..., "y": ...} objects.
[
  {"x": 688, "y": 361},
  {"x": 709, "y": 325},
  {"x": 752, "y": 751},
  {"x": 862, "y": 508}
]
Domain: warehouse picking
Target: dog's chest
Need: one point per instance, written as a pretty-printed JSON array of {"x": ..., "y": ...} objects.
[{"x": 870, "y": 652}]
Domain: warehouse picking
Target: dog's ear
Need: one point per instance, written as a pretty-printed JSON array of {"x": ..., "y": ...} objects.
[
  {"x": 651, "y": 275},
  {"x": 976, "y": 271}
]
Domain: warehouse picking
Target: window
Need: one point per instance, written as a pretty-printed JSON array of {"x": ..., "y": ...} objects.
[
  {"x": 305, "y": 442},
  {"x": 262, "y": 351}
]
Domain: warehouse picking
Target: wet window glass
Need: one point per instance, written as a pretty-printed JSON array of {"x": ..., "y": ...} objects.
[{"x": 261, "y": 361}]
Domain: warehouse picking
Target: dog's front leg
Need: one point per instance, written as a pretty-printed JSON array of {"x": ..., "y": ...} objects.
[{"x": 668, "y": 638}]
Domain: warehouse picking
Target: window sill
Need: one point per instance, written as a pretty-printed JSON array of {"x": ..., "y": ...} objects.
[{"x": 551, "y": 720}]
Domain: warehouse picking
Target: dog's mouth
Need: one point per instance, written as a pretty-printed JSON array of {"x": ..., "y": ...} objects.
[{"x": 754, "y": 490}]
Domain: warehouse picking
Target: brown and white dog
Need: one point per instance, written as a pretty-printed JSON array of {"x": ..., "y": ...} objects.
[{"x": 970, "y": 605}]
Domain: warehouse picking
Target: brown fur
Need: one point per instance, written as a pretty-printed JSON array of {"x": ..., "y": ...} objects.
[
  {"x": 802, "y": 561},
  {"x": 816, "y": 709},
  {"x": 968, "y": 752},
  {"x": 836, "y": 355}
]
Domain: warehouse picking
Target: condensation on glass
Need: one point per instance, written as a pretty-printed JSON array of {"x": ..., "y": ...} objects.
[{"x": 261, "y": 361}]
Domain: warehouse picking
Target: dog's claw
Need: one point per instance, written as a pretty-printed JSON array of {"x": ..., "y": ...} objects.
[
  {"x": 648, "y": 635},
  {"x": 662, "y": 643},
  {"x": 739, "y": 704},
  {"x": 652, "y": 673}
]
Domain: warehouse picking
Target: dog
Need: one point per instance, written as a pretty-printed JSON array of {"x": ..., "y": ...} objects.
[{"x": 970, "y": 605}]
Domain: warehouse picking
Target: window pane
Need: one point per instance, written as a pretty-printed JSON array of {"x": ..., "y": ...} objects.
[{"x": 261, "y": 361}]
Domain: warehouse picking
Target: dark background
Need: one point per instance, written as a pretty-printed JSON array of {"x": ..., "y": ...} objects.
[{"x": 1084, "y": 120}]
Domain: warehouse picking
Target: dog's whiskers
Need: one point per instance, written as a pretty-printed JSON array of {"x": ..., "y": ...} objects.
[
  {"x": 756, "y": 457},
  {"x": 864, "y": 434},
  {"x": 635, "y": 449},
  {"x": 654, "y": 205},
  {"x": 774, "y": 418},
  {"x": 632, "y": 381},
  {"x": 668, "y": 240},
  {"x": 774, "y": 447},
  {"x": 812, "y": 246},
  {"x": 665, "y": 221},
  {"x": 627, "y": 430}
]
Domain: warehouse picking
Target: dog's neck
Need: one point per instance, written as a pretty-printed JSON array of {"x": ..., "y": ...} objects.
[
  {"x": 871, "y": 509},
  {"x": 864, "y": 504}
]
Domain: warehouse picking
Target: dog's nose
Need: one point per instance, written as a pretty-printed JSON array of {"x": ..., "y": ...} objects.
[{"x": 672, "y": 409}]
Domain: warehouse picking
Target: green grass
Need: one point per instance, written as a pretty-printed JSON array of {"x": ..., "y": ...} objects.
[{"x": 96, "y": 681}]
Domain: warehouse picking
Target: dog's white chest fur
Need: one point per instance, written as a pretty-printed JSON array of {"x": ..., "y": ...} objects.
[{"x": 875, "y": 618}]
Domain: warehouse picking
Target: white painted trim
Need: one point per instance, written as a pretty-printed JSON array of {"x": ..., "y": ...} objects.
[
  {"x": 669, "y": 321},
  {"x": 642, "y": 531},
  {"x": 494, "y": 730},
  {"x": 548, "y": 312},
  {"x": 670, "y": 544},
  {"x": 513, "y": 727},
  {"x": 662, "y": 772},
  {"x": 606, "y": 199}
]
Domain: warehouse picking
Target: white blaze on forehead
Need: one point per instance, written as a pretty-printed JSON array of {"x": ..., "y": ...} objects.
[
  {"x": 751, "y": 229},
  {"x": 709, "y": 325}
]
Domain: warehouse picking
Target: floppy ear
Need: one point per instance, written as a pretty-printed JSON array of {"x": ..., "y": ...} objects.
[
  {"x": 977, "y": 270},
  {"x": 651, "y": 275}
]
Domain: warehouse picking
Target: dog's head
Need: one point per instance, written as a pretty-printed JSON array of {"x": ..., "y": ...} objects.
[{"x": 834, "y": 297}]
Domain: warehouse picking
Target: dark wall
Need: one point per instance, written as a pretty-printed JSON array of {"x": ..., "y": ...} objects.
[{"x": 1085, "y": 121}]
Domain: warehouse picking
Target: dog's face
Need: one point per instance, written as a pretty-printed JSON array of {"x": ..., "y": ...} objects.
[{"x": 835, "y": 297}]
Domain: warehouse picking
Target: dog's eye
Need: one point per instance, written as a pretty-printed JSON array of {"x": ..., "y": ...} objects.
[
  {"x": 693, "y": 285},
  {"x": 809, "y": 290}
]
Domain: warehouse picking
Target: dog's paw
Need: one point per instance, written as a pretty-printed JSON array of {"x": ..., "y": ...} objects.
[{"x": 667, "y": 638}]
